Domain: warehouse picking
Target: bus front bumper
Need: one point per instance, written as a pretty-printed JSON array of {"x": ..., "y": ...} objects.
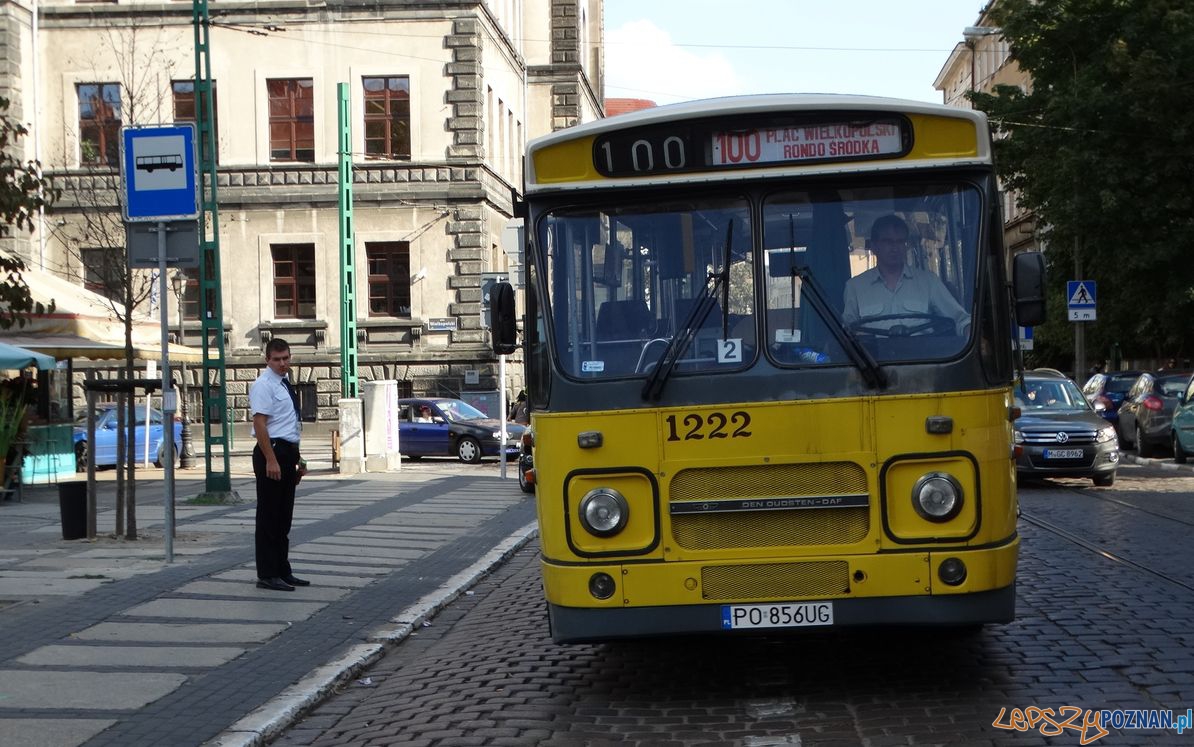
[
  {"x": 575, "y": 625},
  {"x": 901, "y": 588}
]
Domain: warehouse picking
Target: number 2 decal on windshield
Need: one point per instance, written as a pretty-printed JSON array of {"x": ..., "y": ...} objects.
[
  {"x": 729, "y": 351},
  {"x": 694, "y": 427}
]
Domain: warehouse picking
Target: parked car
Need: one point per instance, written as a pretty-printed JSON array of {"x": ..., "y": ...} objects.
[
  {"x": 104, "y": 451},
  {"x": 1058, "y": 433},
  {"x": 439, "y": 426},
  {"x": 1181, "y": 431},
  {"x": 1105, "y": 392},
  {"x": 1146, "y": 415}
]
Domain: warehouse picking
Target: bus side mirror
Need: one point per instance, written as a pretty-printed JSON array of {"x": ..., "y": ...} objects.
[
  {"x": 1028, "y": 288},
  {"x": 503, "y": 332}
]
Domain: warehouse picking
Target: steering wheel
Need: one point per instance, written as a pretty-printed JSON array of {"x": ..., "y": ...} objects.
[{"x": 921, "y": 324}]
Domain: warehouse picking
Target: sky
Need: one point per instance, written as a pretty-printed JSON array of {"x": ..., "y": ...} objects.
[{"x": 677, "y": 50}]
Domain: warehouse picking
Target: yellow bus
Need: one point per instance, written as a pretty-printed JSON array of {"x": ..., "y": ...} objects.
[{"x": 769, "y": 360}]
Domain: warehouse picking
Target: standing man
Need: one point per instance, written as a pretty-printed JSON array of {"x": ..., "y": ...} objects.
[{"x": 277, "y": 466}]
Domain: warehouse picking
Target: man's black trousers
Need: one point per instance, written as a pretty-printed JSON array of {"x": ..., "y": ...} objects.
[{"x": 275, "y": 510}]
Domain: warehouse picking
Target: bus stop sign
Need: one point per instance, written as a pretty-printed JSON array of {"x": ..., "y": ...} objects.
[{"x": 159, "y": 172}]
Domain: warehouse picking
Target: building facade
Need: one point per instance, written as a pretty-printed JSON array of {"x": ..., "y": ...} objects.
[
  {"x": 442, "y": 97},
  {"x": 980, "y": 62}
]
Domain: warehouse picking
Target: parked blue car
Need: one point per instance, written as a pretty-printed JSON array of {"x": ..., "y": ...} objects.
[
  {"x": 104, "y": 451},
  {"x": 440, "y": 426},
  {"x": 1105, "y": 393}
]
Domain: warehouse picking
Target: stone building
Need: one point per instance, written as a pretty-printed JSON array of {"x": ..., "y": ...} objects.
[
  {"x": 981, "y": 61},
  {"x": 442, "y": 96}
]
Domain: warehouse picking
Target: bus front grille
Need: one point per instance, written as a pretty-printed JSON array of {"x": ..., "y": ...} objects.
[
  {"x": 776, "y": 580},
  {"x": 769, "y": 528}
]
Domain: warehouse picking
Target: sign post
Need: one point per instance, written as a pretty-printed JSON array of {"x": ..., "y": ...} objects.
[
  {"x": 488, "y": 280},
  {"x": 159, "y": 172}
]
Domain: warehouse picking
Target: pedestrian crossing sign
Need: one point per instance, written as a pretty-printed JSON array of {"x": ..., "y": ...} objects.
[{"x": 1081, "y": 300}]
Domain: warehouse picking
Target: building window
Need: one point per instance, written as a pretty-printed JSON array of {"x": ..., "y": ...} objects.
[
  {"x": 291, "y": 120},
  {"x": 387, "y": 117},
  {"x": 99, "y": 123},
  {"x": 102, "y": 271},
  {"x": 389, "y": 278},
  {"x": 186, "y": 109},
  {"x": 190, "y": 293},
  {"x": 294, "y": 281}
]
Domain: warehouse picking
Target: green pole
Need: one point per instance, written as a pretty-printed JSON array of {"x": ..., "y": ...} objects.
[
  {"x": 348, "y": 291},
  {"x": 211, "y": 307}
]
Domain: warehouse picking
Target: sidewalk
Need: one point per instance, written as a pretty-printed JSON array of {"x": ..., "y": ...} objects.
[
  {"x": 1130, "y": 457},
  {"x": 103, "y": 643}
]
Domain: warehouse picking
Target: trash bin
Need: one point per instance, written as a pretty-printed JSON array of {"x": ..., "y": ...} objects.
[{"x": 72, "y": 504}]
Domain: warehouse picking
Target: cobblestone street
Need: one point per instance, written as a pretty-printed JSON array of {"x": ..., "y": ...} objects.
[{"x": 1103, "y": 623}]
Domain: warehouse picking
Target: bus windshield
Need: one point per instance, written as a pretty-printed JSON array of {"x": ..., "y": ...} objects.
[{"x": 895, "y": 266}]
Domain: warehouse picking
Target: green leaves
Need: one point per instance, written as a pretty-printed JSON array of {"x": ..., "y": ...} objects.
[
  {"x": 23, "y": 192},
  {"x": 1099, "y": 149}
]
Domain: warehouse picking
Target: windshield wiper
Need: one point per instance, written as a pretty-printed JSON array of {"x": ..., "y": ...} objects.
[
  {"x": 872, "y": 374},
  {"x": 676, "y": 346}
]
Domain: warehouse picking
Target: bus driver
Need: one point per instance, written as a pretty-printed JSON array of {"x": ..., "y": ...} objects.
[{"x": 892, "y": 287}]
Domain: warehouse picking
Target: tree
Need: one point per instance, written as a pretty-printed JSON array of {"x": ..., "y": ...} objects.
[
  {"x": 1099, "y": 149},
  {"x": 23, "y": 193},
  {"x": 95, "y": 233}
]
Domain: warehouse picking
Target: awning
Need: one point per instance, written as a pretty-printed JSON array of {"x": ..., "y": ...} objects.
[
  {"x": 84, "y": 324},
  {"x": 13, "y": 357},
  {"x": 73, "y": 346}
]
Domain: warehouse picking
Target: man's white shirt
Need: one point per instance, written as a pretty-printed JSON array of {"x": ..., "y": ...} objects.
[
  {"x": 918, "y": 292},
  {"x": 269, "y": 396}
]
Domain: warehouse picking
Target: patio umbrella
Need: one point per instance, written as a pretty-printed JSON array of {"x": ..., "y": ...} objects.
[{"x": 13, "y": 357}]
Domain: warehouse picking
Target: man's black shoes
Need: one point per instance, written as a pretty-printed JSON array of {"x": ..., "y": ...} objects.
[
  {"x": 274, "y": 583},
  {"x": 296, "y": 581}
]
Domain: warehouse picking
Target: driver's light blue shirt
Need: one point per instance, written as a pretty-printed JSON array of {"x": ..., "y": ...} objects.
[{"x": 918, "y": 292}]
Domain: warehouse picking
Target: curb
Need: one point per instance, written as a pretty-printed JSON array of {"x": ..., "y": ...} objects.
[
  {"x": 282, "y": 711},
  {"x": 1168, "y": 464}
]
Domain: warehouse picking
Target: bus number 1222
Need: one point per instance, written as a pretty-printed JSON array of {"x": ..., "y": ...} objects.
[{"x": 715, "y": 425}]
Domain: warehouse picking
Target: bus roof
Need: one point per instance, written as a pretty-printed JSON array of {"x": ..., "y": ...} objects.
[{"x": 978, "y": 151}]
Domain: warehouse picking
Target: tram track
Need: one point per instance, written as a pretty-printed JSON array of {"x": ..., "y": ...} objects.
[
  {"x": 1102, "y": 550},
  {"x": 1126, "y": 504}
]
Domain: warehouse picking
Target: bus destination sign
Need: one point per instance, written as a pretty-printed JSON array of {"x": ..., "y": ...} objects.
[
  {"x": 820, "y": 142},
  {"x": 731, "y": 144}
]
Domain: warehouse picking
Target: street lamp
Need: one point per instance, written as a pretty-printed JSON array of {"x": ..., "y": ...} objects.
[
  {"x": 971, "y": 35},
  {"x": 186, "y": 456}
]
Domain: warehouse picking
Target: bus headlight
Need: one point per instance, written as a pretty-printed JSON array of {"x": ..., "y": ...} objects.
[
  {"x": 937, "y": 497},
  {"x": 604, "y": 512}
]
